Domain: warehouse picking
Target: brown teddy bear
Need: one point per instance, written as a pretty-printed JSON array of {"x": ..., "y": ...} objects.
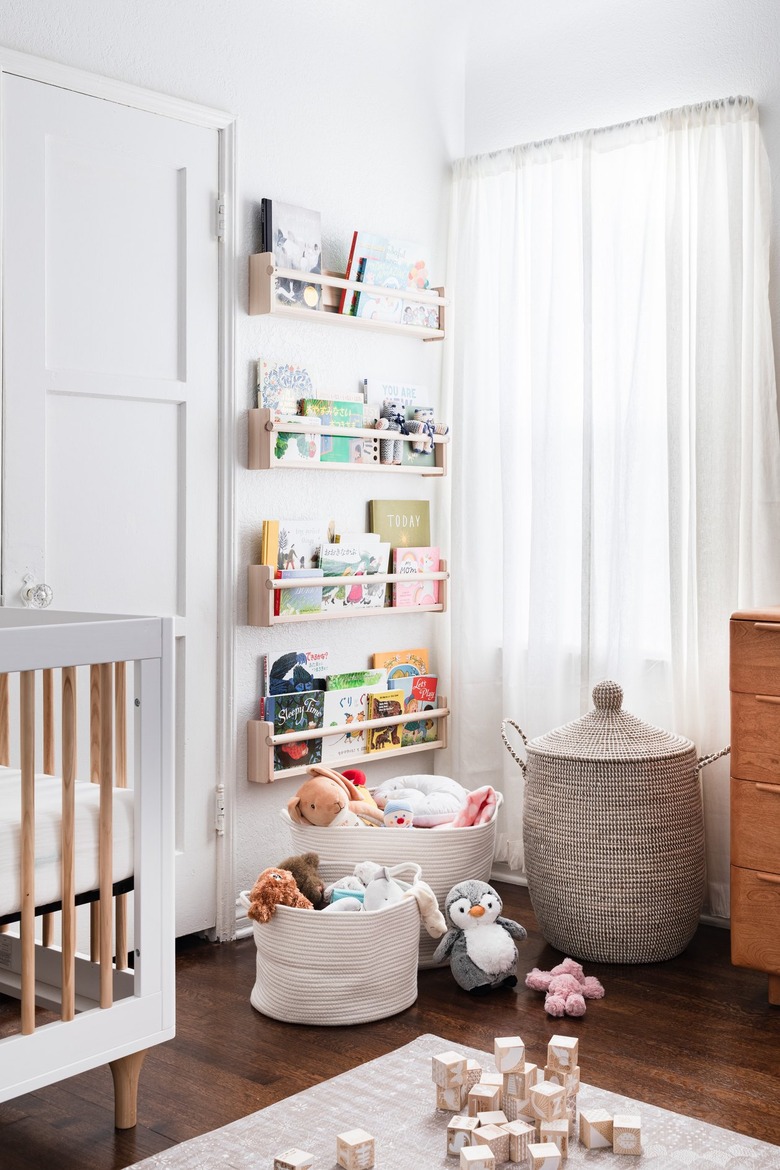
[
  {"x": 275, "y": 887},
  {"x": 305, "y": 869}
]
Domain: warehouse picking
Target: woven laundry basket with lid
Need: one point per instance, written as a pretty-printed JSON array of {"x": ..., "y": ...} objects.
[{"x": 613, "y": 833}]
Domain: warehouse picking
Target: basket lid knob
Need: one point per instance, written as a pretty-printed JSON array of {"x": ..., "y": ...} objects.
[{"x": 608, "y": 696}]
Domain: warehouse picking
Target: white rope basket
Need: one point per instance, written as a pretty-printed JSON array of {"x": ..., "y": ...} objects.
[
  {"x": 445, "y": 856},
  {"x": 336, "y": 968}
]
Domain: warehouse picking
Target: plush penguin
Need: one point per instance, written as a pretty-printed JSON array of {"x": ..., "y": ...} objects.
[{"x": 479, "y": 942}]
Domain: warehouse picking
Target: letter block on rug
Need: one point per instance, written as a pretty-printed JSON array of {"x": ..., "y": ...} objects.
[
  {"x": 473, "y": 1073},
  {"x": 562, "y": 1052},
  {"x": 459, "y": 1133},
  {"x": 492, "y": 1117},
  {"x": 448, "y": 1069},
  {"x": 477, "y": 1158},
  {"x": 518, "y": 1084},
  {"x": 294, "y": 1159},
  {"x": 627, "y": 1133},
  {"x": 595, "y": 1129},
  {"x": 520, "y": 1134},
  {"x": 355, "y": 1150},
  {"x": 544, "y": 1156},
  {"x": 451, "y": 1099},
  {"x": 509, "y": 1052},
  {"x": 495, "y": 1139},
  {"x": 483, "y": 1098},
  {"x": 548, "y": 1101},
  {"x": 557, "y": 1132},
  {"x": 518, "y": 1109}
]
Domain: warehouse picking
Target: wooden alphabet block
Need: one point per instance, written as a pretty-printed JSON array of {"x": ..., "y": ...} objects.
[
  {"x": 294, "y": 1159},
  {"x": 355, "y": 1150},
  {"x": 494, "y": 1137},
  {"x": 557, "y": 1132},
  {"x": 562, "y": 1052},
  {"x": 451, "y": 1099},
  {"x": 477, "y": 1158},
  {"x": 509, "y": 1052},
  {"x": 544, "y": 1156},
  {"x": 569, "y": 1079},
  {"x": 627, "y": 1133},
  {"x": 492, "y": 1117},
  {"x": 483, "y": 1097},
  {"x": 595, "y": 1129},
  {"x": 473, "y": 1073},
  {"x": 459, "y": 1133},
  {"x": 548, "y": 1101},
  {"x": 518, "y": 1084},
  {"x": 448, "y": 1069},
  {"x": 520, "y": 1134},
  {"x": 518, "y": 1109}
]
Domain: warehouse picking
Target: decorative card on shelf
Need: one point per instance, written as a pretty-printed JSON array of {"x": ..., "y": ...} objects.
[
  {"x": 347, "y": 708},
  {"x": 382, "y": 705},
  {"x": 365, "y": 246},
  {"x": 282, "y": 385},
  {"x": 358, "y": 561},
  {"x": 294, "y": 235},
  {"x": 296, "y": 601},
  {"x": 419, "y": 692},
  {"x": 403, "y": 523},
  {"x": 295, "y": 670},
  {"x": 299, "y": 543},
  {"x": 408, "y": 562},
  {"x": 401, "y": 663},
  {"x": 296, "y": 712},
  {"x": 401, "y": 267},
  {"x": 336, "y": 413},
  {"x": 292, "y": 447}
]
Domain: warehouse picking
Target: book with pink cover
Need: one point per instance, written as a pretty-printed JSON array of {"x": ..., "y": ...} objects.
[{"x": 409, "y": 562}]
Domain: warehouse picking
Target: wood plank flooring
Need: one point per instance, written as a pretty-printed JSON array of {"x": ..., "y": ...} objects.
[{"x": 694, "y": 1035}]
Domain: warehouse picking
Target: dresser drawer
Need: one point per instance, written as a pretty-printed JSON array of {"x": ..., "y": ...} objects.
[
  {"x": 755, "y": 920},
  {"x": 755, "y": 656},
  {"x": 755, "y": 825},
  {"x": 755, "y": 736}
]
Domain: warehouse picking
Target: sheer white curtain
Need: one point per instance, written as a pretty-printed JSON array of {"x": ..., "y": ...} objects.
[{"x": 616, "y": 479}]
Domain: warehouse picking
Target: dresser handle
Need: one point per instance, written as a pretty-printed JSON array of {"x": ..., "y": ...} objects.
[
  {"x": 767, "y": 626},
  {"x": 768, "y": 698},
  {"x": 774, "y": 878},
  {"x": 768, "y": 788}
]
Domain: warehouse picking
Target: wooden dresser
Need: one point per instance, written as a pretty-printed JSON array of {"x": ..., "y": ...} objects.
[{"x": 755, "y": 793}]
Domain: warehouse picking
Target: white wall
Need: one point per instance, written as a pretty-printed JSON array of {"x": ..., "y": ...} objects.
[{"x": 350, "y": 108}]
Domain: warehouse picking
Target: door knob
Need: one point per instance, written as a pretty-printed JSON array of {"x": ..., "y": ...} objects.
[{"x": 35, "y": 594}]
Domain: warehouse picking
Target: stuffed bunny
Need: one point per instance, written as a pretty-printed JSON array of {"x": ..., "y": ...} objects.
[{"x": 567, "y": 988}]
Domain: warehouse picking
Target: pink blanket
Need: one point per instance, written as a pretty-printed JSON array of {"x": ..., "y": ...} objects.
[{"x": 478, "y": 808}]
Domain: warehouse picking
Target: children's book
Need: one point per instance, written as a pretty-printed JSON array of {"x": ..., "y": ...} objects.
[
  {"x": 381, "y": 705},
  {"x": 356, "y": 678},
  {"x": 294, "y": 235},
  {"x": 293, "y": 447},
  {"x": 294, "y": 670},
  {"x": 365, "y": 246},
  {"x": 419, "y": 692},
  {"x": 358, "y": 561},
  {"x": 407, "y": 562},
  {"x": 402, "y": 523},
  {"x": 282, "y": 385},
  {"x": 401, "y": 663},
  {"x": 401, "y": 267},
  {"x": 336, "y": 413},
  {"x": 296, "y": 601},
  {"x": 296, "y": 712},
  {"x": 347, "y": 707},
  {"x": 299, "y": 543}
]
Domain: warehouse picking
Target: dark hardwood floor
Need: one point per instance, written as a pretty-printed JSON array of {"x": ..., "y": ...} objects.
[{"x": 694, "y": 1035}]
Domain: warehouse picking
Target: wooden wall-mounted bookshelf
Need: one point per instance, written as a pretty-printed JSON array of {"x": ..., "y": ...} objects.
[
  {"x": 263, "y": 271},
  {"x": 262, "y": 585},
  {"x": 261, "y": 741},
  {"x": 262, "y": 432}
]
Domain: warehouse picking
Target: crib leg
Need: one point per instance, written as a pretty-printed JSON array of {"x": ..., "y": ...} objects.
[{"x": 125, "y": 1072}]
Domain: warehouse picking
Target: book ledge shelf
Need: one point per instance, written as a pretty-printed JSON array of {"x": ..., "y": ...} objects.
[
  {"x": 261, "y": 586},
  {"x": 261, "y": 741},
  {"x": 262, "y": 430},
  {"x": 263, "y": 271}
]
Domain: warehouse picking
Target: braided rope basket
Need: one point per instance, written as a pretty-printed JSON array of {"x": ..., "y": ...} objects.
[
  {"x": 316, "y": 968},
  {"x": 613, "y": 833}
]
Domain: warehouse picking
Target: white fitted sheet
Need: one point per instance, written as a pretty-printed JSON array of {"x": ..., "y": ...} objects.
[{"x": 48, "y": 846}]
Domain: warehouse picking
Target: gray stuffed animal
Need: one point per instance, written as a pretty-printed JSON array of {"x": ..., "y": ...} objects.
[{"x": 480, "y": 942}]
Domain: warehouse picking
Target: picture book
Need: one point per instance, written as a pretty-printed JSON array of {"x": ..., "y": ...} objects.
[
  {"x": 294, "y": 236},
  {"x": 365, "y": 246},
  {"x": 381, "y": 705},
  {"x": 337, "y": 413},
  {"x": 401, "y": 663},
  {"x": 419, "y": 692},
  {"x": 407, "y": 562},
  {"x": 363, "y": 450},
  {"x": 347, "y": 708},
  {"x": 293, "y": 447},
  {"x": 301, "y": 711},
  {"x": 358, "y": 561},
  {"x": 294, "y": 670},
  {"x": 399, "y": 268},
  {"x": 282, "y": 385},
  {"x": 402, "y": 523},
  {"x": 356, "y": 678},
  {"x": 299, "y": 543},
  {"x": 305, "y": 600}
]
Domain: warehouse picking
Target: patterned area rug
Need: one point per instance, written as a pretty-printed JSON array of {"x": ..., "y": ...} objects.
[{"x": 395, "y": 1100}]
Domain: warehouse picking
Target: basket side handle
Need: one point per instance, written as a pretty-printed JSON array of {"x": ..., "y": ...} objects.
[
  {"x": 704, "y": 760},
  {"x": 511, "y": 723}
]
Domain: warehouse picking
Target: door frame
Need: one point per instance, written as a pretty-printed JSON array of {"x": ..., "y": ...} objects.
[{"x": 122, "y": 93}]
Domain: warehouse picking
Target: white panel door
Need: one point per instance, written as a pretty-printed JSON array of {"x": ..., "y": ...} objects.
[{"x": 110, "y": 372}]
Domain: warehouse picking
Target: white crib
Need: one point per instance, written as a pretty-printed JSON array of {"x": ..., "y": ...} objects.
[{"x": 87, "y": 700}]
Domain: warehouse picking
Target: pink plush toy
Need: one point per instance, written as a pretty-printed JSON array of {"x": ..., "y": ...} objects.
[{"x": 567, "y": 988}]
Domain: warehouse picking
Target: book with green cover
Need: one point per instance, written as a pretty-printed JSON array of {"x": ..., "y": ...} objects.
[
  {"x": 355, "y": 678},
  {"x": 402, "y": 523},
  {"x": 336, "y": 413}
]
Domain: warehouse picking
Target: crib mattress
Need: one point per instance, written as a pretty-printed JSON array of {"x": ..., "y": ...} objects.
[{"x": 48, "y": 847}]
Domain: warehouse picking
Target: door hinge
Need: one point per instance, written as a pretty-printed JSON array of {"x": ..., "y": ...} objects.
[
  {"x": 219, "y": 818},
  {"x": 220, "y": 218}
]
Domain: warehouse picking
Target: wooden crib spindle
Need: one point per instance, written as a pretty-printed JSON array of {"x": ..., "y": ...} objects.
[
  {"x": 94, "y": 775},
  {"x": 27, "y": 926},
  {"x": 120, "y": 764},
  {"x": 69, "y": 744},
  {"x": 106, "y": 863},
  {"x": 48, "y": 768}
]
